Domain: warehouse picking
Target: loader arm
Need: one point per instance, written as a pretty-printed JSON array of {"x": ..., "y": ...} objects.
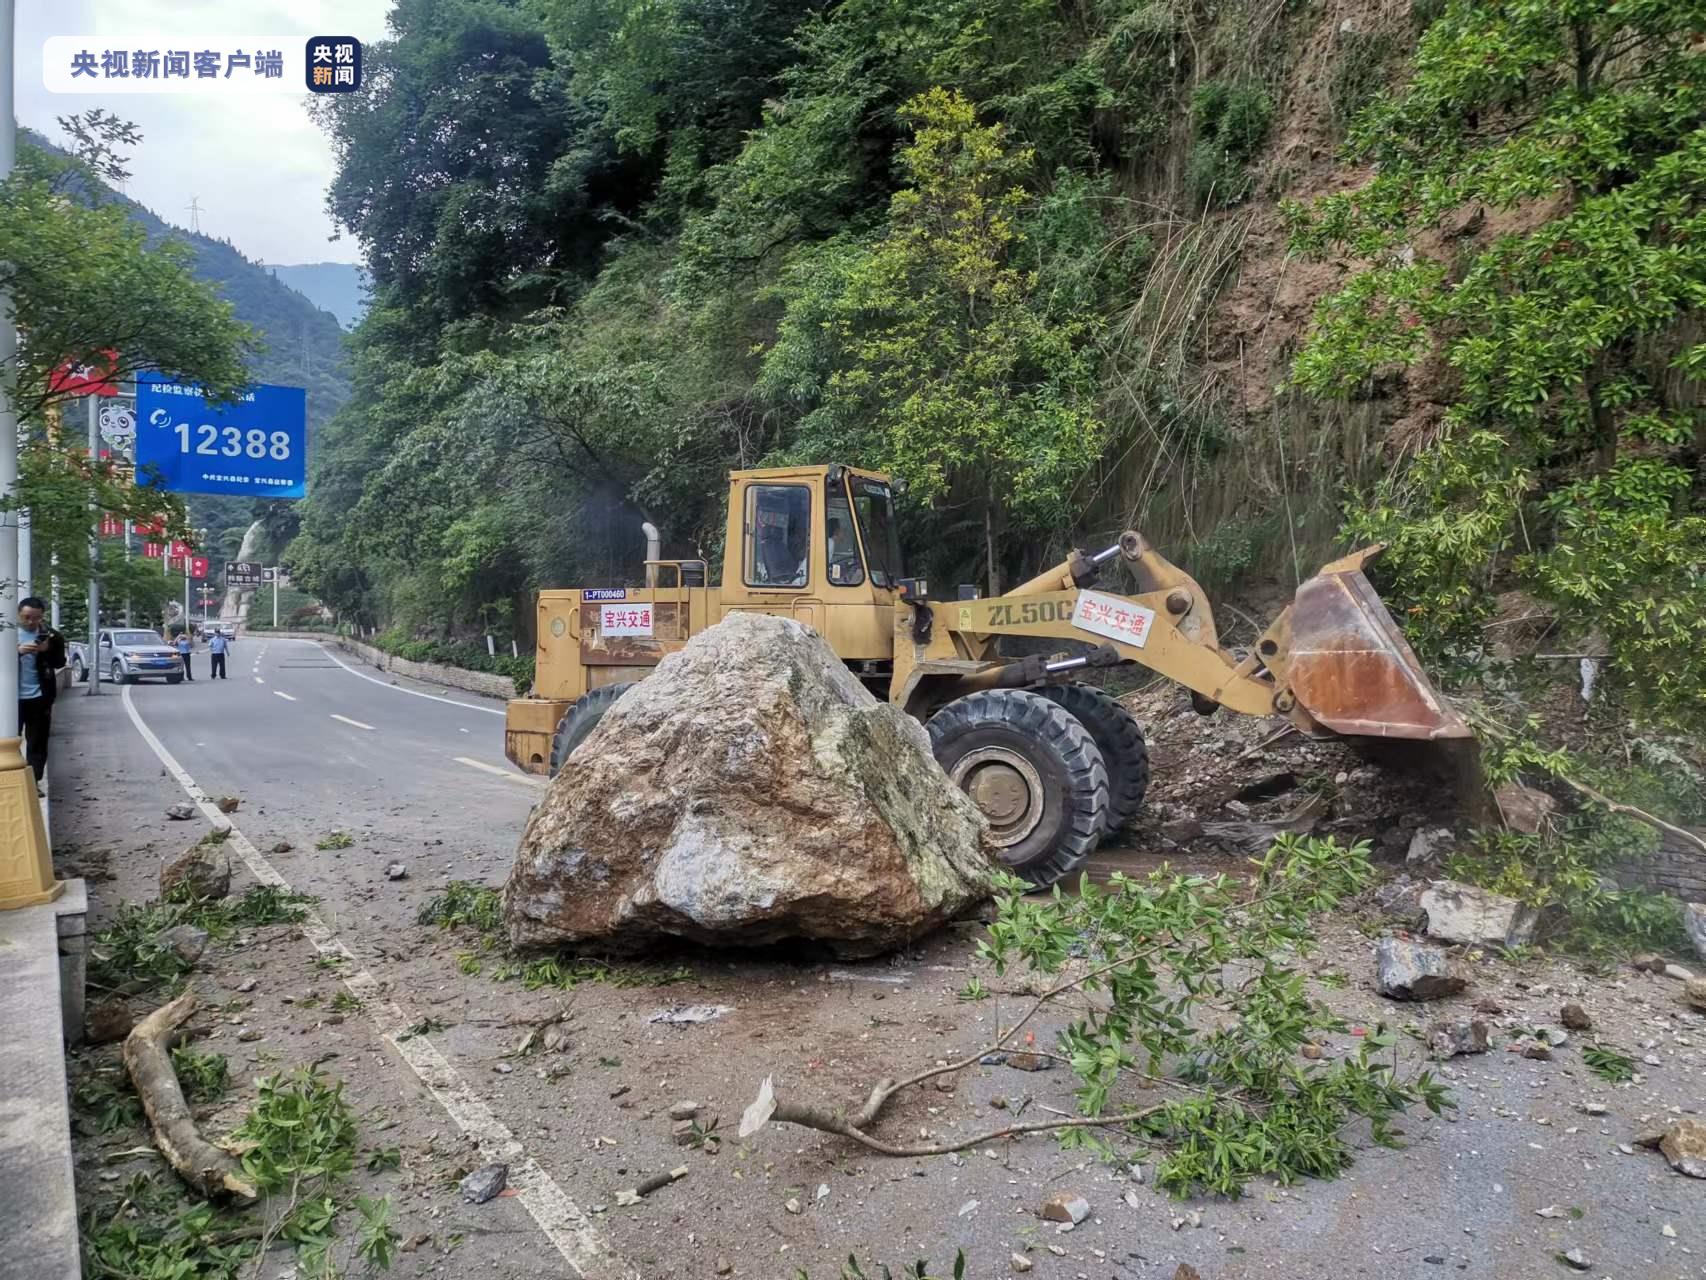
[{"x": 1334, "y": 661}]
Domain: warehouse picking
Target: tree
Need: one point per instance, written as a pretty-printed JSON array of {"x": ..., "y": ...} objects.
[
  {"x": 1570, "y": 448},
  {"x": 942, "y": 358},
  {"x": 84, "y": 282}
]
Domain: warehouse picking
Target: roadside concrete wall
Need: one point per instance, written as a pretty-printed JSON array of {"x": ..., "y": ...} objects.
[{"x": 493, "y": 686}]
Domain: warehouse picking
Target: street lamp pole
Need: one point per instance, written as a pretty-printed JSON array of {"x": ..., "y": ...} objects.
[{"x": 8, "y": 414}]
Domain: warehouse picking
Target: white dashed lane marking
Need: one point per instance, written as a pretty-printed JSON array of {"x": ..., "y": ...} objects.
[
  {"x": 563, "y": 1222},
  {"x": 280, "y": 693},
  {"x": 358, "y": 724},
  {"x": 511, "y": 774}
]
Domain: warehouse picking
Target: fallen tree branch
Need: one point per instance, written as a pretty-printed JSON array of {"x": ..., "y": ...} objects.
[
  {"x": 148, "y": 1059},
  {"x": 1630, "y": 811},
  {"x": 827, "y": 1121}
]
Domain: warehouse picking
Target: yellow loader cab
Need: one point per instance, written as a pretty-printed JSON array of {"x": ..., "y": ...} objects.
[{"x": 1053, "y": 764}]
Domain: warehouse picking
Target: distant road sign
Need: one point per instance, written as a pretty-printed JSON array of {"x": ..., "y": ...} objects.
[
  {"x": 242, "y": 573},
  {"x": 256, "y": 446}
]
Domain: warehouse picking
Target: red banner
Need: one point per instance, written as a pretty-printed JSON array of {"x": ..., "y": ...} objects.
[
  {"x": 153, "y": 550},
  {"x": 93, "y": 379},
  {"x": 180, "y": 550},
  {"x": 146, "y": 527},
  {"x": 111, "y": 526},
  {"x": 198, "y": 566},
  {"x": 175, "y": 564}
]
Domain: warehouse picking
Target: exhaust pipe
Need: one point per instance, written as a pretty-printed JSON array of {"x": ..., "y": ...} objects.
[{"x": 652, "y": 544}]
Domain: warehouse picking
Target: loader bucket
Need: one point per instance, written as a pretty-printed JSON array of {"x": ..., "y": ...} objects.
[{"x": 1351, "y": 668}]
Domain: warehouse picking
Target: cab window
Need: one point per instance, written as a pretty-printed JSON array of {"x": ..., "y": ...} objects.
[
  {"x": 875, "y": 506},
  {"x": 842, "y": 547},
  {"x": 778, "y": 534}
]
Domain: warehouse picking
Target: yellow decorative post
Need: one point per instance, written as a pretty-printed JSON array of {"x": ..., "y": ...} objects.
[{"x": 26, "y": 866}]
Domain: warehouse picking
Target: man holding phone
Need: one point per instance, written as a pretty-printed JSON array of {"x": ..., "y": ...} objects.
[{"x": 41, "y": 653}]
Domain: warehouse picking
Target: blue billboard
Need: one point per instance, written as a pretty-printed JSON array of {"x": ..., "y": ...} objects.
[{"x": 255, "y": 446}]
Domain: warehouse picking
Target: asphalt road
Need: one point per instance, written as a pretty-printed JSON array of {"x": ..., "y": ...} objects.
[{"x": 416, "y": 775}]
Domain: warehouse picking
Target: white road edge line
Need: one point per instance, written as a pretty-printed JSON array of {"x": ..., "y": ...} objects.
[
  {"x": 563, "y": 1222},
  {"x": 280, "y": 693},
  {"x": 511, "y": 774},
  {"x": 397, "y": 688},
  {"x": 258, "y": 680},
  {"x": 358, "y": 724}
]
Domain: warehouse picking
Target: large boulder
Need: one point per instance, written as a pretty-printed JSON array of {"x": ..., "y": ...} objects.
[
  {"x": 1405, "y": 970},
  {"x": 750, "y": 791},
  {"x": 1476, "y": 917}
]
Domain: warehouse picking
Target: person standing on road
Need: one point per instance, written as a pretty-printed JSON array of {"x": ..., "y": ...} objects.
[
  {"x": 185, "y": 648},
  {"x": 41, "y": 653},
  {"x": 216, "y": 647}
]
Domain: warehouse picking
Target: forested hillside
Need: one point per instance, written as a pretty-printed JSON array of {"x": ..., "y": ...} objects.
[
  {"x": 337, "y": 287},
  {"x": 1255, "y": 277}
]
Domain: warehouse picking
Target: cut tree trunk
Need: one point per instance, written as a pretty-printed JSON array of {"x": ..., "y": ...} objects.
[{"x": 148, "y": 1058}]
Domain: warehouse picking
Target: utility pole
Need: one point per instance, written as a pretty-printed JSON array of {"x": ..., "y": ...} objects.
[
  {"x": 8, "y": 417},
  {"x": 195, "y": 215},
  {"x": 94, "y": 554}
]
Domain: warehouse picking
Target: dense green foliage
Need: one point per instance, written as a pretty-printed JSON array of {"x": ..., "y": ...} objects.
[
  {"x": 698, "y": 236},
  {"x": 1571, "y": 450}
]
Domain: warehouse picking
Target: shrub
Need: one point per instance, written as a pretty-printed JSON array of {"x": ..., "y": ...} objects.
[{"x": 1230, "y": 123}]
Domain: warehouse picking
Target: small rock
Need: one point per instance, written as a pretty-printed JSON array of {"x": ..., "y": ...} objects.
[
  {"x": 1436, "y": 1259},
  {"x": 1523, "y": 808},
  {"x": 228, "y": 804},
  {"x": 1401, "y": 897},
  {"x": 1451, "y": 1038},
  {"x": 1554, "y": 1036},
  {"x": 792, "y": 1204},
  {"x": 1677, "y": 972},
  {"x": 1577, "y": 1259},
  {"x": 1668, "y": 1231},
  {"x": 682, "y": 1132},
  {"x": 1030, "y": 1062},
  {"x": 106, "y": 1021},
  {"x": 203, "y": 870},
  {"x": 1551, "y": 1211},
  {"x": 1310, "y": 1050},
  {"x": 1020, "y": 1262},
  {"x": 414, "y": 1242},
  {"x": 1064, "y": 1206},
  {"x": 1595, "y": 1108},
  {"x": 1186, "y": 1271},
  {"x": 1492, "y": 1008},
  {"x": 684, "y": 1111},
  {"x": 1684, "y": 1145},
  {"x": 1652, "y": 1060},
  {"x": 1575, "y": 1017},
  {"x": 186, "y": 941},
  {"x": 627, "y": 1199},
  {"x": 1650, "y": 1137},
  {"x": 1428, "y": 847},
  {"x": 822, "y": 1191},
  {"x": 502, "y": 1068},
  {"x": 555, "y": 1039},
  {"x": 725, "y": 1267},
  {"x": 1476, "y": 917},
  {"x": 484, "y": 1183},
  {"x": 1694, "y": 991},
  {"x": 247, "y": 985},
  {"x": 1647, "y": 962},
  {"x": 248, "y": 1035},
  {"x": 396, "y": 871},
  {"x": 1538, "y": 1051},
  {"x": 1411, "y": 971},
  {"x": 282, "y": 846},
  {"x": 180, "y": 812},
  {"x": 1132, "y": 1200}
]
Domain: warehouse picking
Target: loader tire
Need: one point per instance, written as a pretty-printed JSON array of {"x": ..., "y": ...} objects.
[
  {"x": 581, "y": 719},
  {"x": 1034, "y": 770},
  {"x": 1119, "y": 738}
]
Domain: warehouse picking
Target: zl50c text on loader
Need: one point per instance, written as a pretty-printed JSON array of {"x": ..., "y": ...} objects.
[{"x": 1053, "y": 764}]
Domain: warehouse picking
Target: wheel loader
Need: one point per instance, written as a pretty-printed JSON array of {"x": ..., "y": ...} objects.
[{"x": 1054, "y": 764}]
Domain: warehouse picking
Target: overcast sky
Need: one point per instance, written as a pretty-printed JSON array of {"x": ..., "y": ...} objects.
[{"x": 256, "y": 163}]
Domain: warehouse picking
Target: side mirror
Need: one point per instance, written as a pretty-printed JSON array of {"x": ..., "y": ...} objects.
[{"x": 107, "y": 641}]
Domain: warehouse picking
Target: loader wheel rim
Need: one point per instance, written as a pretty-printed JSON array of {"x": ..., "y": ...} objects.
[{"x": 1006, "y": 787}]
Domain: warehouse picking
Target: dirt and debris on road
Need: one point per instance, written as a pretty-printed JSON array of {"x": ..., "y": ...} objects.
[{"x": 583, "y": 1077}]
